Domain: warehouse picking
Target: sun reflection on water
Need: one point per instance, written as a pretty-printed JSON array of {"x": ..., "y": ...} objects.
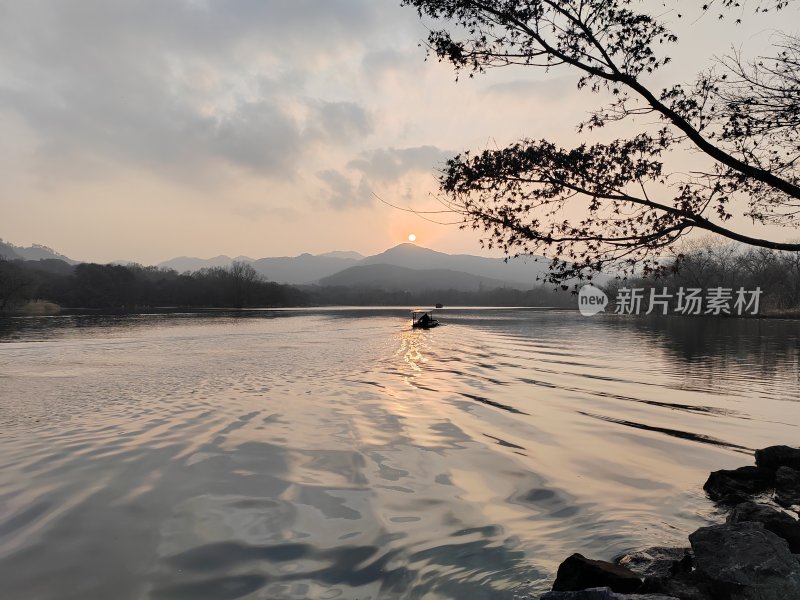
[{"x": 412, "y": 346}]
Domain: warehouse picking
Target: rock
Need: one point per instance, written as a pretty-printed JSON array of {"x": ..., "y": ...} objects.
[
  {"x": 668, "y": 571},
  {"x": 658, "y": 561},
  {"x": 734, "y": 486},
  {"x": 686, "y": 586},
  {"x": 579, "y": 573},
  {"x": 787, "y": 486},
  {"x": 773, "y": 520},
  {"x": 774, "y": 457},
  {"x": 746, "y": 562},
  {"x": 602, "y": 593}
]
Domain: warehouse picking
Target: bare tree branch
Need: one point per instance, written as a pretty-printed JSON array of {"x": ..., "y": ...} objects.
[{"x": 741, "y": 117}]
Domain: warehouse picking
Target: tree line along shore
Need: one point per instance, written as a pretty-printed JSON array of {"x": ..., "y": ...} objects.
[{"x": 46, "y": 286}]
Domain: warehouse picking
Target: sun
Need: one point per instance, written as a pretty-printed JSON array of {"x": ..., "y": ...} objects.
[{"x": 412, "y": 237}]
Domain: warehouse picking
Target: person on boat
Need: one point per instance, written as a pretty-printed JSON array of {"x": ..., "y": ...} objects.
[{"x": 425, "y": 319}]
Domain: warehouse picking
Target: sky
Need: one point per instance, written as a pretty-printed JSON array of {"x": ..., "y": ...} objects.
[{"x": 141, "y": 130}]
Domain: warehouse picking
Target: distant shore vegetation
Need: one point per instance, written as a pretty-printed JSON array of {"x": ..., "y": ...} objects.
[
  {"x": 38, "y": 286},
  {"x": 49, "y": 285},
  {"x": 709, "y": 263}
]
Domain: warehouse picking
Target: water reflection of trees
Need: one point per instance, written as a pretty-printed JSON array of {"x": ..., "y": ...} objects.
[
  {"x": 700, "y": 348},
  {"x": 40, "y": 328},
  {"x": 768, "y": 347}
]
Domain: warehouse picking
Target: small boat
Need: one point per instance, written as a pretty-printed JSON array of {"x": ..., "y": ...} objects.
[
  {"x": 423, "y": 319},
  {"x": 439, "y": 305}
]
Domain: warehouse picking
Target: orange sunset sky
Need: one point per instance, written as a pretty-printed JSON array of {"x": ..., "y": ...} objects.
[{"x": 142, "y": 130}]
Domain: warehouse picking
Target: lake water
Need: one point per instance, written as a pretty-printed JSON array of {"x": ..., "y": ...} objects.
[{"x": 339, "y": 454}]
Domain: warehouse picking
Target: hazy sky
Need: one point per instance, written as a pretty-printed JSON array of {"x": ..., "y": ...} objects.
[{"x": 147, "y": 129}]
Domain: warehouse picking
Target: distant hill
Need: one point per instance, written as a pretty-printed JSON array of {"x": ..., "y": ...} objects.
[
  {"x": 296, "y": 270},
  {"x": 341, "y": 254},
  {"x": 403, "y": 279},
  {"x": 458, "y": 271},
  {"x": 302, "y": 269},
  {"x": 182, "y": 264},
  {"x": 53, "y": 266},
  {"x": 7, "y": 251},
  {"x": 522, "y": 271},
  {"x": 33, "y": 252}
]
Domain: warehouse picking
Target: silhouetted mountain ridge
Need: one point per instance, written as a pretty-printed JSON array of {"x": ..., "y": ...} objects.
[
  {"x": 457, "y": 271},
  {"x": 181, "y": 264},
  {"x": 308, "y": 269},
  {"x": 303, "y": 269},
  {"x": 393, "y": 278},
  {"x": 33, "y": 252},
  {"x": 521, "y": 272}
]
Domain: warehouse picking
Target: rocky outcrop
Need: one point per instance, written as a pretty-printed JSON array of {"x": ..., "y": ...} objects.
[
  {"x": 777, "y": 468},
  {"x": 787, "y": 486},
  {"x": 779, "y": 523},
  {"x": 603, "y": 594},
  {"x": 774, "y": 457},
  {"x": 752, "y": 556},
  {"x": 744, "y": 560},
  {"x": 658, "y": 561},
  {"x": 579, "y": 573},
  {"x": 685, "y": 586},
  {"x": 667, "y": 571},
  {"x": 736, "y": 485}
]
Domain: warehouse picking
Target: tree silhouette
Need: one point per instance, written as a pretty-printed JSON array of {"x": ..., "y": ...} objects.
[
  {"x": 739, "y": 118},
  {"x": 16, "y": 285}
]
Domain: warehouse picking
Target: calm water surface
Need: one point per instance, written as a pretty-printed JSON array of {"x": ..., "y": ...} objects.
[{"x": 338, "y": 454}]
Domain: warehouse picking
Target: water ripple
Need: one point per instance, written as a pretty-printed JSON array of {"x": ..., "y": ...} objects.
[{"x": 337, "y": 454}]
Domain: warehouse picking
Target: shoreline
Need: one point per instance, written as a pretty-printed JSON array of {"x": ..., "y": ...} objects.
[
  {"x": 44, "y": 308},
  {"x": 753, "y": 555}
]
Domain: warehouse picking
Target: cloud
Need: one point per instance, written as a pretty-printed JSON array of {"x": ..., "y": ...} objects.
[
  {"x": 388, "y": 164},
  {"x": 178, "y": 86},
  {"x": 379, "y": 168},
  {"x": 343, "y": 192},
  {"x": 378, "y": 64},
  {"x": 340, "y": 122},
  {"x": 554, "y": 89}
]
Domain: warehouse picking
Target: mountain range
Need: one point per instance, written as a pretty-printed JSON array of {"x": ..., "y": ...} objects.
[
  {"x": 33, "y": 252},
  {"x": 394, "y": 278},
  {"x": 406, "y": 267}
]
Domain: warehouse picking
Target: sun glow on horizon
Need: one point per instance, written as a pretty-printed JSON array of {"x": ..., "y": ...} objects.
[{"x": 412, "y": 237}]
